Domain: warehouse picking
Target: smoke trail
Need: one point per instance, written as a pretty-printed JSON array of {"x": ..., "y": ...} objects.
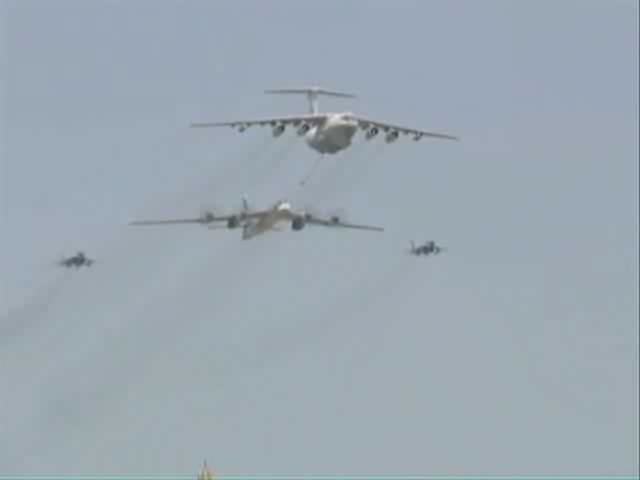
[
  {"x": 344, "y": 172},
  {"x": 331, "y": 162},
  {"x": 279, "y": 346},
  {"x": 249, "y": 170},
  {"x": 233, "y": 167},
  {"x": 271, "y": 163},
  {"x": 22, "y": 318}
]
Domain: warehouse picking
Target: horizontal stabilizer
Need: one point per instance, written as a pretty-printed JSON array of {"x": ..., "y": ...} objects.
[
  {"x": 312, "y": 94},
  {"x": 311, "y": 90}
]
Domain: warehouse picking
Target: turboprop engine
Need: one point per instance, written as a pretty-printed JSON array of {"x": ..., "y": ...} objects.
[
  {"x": 278, "y": 130},
  {"x": 298, "y": 223},
  {"x": 233, "y": 222}
]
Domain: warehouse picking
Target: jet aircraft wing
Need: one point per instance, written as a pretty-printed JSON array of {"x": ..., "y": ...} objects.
[
  {"x": 311, "y": 119},
  {"x": 366, "y": 123}
]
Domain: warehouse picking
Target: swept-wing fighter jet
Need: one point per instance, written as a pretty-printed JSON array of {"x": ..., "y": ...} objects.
[
  {"x": 257, "y": 222},
  {"x": 327, "y": 132},
  {"x": 428, "y": 248},
  {"x": 78, "y": 260}
]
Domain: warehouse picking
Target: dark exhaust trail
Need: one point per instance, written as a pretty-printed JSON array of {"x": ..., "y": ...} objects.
[{"x": 21, "y": 319}]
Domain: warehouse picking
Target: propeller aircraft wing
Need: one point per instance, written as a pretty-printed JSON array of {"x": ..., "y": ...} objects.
[{"x": 335, "y": 222}]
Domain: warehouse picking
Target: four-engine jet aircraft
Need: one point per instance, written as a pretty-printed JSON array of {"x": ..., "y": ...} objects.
[
  {"x": 428, "y": 248},
  {"x": 78, "y": 260},
  {"x": 327, "y": 132},
  {"x": 254, "y": 223}
]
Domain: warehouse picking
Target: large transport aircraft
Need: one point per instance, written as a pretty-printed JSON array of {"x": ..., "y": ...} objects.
[
  {"x": 323, "y": 131},
  {"x": 258, "y": 222}
]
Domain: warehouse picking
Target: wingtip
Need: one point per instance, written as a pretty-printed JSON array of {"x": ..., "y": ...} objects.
[{"x": 453, "y": 138}]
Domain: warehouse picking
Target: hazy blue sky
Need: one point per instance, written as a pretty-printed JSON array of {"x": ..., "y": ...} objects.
[{"x": 321, "y": 352}]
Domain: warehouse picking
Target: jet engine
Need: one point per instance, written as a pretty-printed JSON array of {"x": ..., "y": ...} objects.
[
  {"x": 233, "y": 222},
  {"x": 392, "y": 136},
  {"x": 372, "y": 132},
  {"x": 304, "y": 128},
  {"x": 278, "y": 130},
  {"x": 298, "y": 223}
]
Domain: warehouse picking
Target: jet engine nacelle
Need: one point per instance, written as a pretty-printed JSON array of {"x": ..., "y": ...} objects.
[
  {"x": 298, "y": 223},
  {"x": 233, "y": 222},
  {"x": 372, "y": 132},
  {"x": 304, "y": 128},
  {"x": 278, "y": 130},
  {"x": 392, "y": 136}
]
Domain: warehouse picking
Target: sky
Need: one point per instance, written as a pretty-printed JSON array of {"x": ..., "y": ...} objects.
[{"x": 320, "y": 352}]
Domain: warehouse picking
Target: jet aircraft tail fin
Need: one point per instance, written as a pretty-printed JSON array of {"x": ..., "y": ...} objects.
[{"x": 312, "y": 94}]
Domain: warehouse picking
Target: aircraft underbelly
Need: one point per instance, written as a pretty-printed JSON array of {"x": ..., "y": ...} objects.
[
  {"x": 332, "y": 139},
  {"x": 259, "y": 227}
]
